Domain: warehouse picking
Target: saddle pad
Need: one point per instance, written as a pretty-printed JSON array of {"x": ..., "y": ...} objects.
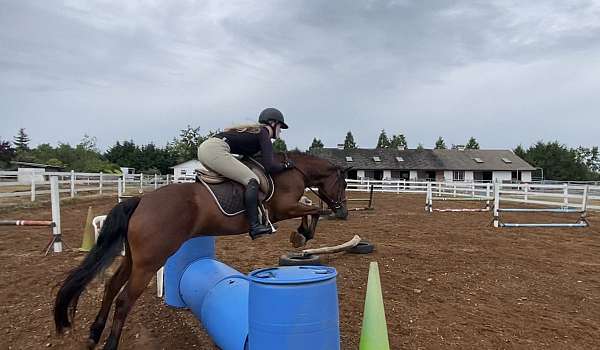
[{"x": 229, "y": 196}]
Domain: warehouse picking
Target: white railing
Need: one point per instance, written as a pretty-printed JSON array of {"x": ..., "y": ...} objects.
[
  {"x": 563, "y": 194},
  {"x": 15, "y": 184}
]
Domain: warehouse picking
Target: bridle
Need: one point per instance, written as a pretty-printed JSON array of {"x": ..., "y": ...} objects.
[{"x": 333, "y": 204}]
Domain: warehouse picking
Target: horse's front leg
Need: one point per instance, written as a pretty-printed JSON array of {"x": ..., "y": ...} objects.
[{"x": 310, "y": 216}]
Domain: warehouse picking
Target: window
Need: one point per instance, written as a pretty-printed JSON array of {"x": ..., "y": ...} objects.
[
  {"x": 506, "y": 160},
  {"x": 349, "y": 159},
  {"x": 400, "y": 174},
  {"x": 369, "y": 174},
  {"x": 377, "y": 159},
  {"x": 458, "y": 175},
  {"x": 478, "y": 160},
  {"x": 182, "y": 171},
  {"x": 400, "y": 159}
]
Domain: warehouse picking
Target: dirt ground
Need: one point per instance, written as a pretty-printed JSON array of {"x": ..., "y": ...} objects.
[{"x": 449, "y": 280}]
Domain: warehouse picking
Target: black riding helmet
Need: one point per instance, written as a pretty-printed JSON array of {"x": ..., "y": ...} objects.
[{"x": 272, "y": 114}]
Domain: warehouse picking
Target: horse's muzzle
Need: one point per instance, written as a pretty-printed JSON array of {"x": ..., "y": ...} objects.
[{"x": 342, "y": 213}]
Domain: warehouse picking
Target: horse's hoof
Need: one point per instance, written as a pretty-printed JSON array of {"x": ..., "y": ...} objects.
[{"x": 297, "y": 240}]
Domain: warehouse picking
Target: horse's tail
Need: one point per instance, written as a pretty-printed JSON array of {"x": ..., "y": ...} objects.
[{"x": 110, "y": 242}]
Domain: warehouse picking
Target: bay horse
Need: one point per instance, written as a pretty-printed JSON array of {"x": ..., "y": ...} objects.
[{"x": 154, "y": 226}]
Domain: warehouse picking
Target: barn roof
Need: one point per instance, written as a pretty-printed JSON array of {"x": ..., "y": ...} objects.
[{"x": 424, "y": 159}]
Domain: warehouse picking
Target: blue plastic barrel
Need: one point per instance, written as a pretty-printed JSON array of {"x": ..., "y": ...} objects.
[
  {"x": 293, "y": 308},
  {"x": 199, "y": 278},
  {"x": 191, "y": 250},
  {"x": 225, "y": 313}
]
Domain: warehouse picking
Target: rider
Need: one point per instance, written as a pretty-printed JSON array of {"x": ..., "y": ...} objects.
[{"x": 216, "y": 154}]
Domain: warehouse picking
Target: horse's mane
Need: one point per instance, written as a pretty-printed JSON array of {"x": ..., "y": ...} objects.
[{"x": 299, "y": 156}]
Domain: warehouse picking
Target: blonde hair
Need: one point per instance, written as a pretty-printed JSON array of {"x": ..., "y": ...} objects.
[{"x": 251, "y": 128}]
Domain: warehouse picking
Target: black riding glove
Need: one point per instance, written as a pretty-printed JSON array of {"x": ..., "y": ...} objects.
[{"x": 288, "y": 164}]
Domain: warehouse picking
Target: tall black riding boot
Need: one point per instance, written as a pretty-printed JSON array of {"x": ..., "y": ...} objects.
[{"x": 251, "y": 203}]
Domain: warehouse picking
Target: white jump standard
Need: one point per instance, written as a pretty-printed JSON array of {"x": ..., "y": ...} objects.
[
  {"x": 430, "y": 198},
  {"x": 56, "y": 242},
  {"x": 581, "y": 222}
]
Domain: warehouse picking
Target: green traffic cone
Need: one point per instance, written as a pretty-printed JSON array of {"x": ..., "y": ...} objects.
[
  {"x": 88, "y": 236},
  {"x": 374, "y": 334}
]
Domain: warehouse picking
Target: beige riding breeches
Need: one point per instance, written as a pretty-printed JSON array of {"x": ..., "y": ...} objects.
[{"x": 215, "y": 154}]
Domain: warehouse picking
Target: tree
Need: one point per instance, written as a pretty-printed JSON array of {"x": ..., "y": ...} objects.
[
  {"x": 316, "y": 144},
  {"x": 520, "y": 151},
  {"x": 440, "y": 144},
  {"x": 88, "y": 143},
  {"x": 420, "y": 147},
  {"x": 383, "y": 141},
  {"x": 279, "y": 146},
  {"x": 398, "y": 141},
  {"x": 7, "y": 153},
  {"x": 589, "y": 156},
  {"x": 349, "y": 141},
  {"x": 21, "y": 141},
  {"x": 558, "y": 162},
  {"x": 472, "y": 144},
  {"x": 186, "y": 146}
]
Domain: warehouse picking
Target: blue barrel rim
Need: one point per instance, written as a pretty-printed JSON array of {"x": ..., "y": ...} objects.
[{"x": 303, "y": 274}]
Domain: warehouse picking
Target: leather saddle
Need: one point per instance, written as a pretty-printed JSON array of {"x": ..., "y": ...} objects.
[{"x": 229, "y": 194}]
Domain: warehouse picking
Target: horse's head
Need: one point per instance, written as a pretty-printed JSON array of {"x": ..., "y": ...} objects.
[{"x": 328, "y": 178}]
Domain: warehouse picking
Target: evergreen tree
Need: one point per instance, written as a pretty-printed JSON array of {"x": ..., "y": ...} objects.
[
  {"x": 420, "y": 147},
  {"x": 279, "y": 146},
  {"x": 316, "y": 144},
  {"x": 349, "y": 141},
  {"x": 21, "y": 141},
  {"x": 398, "y": 141},
  {"x": 440, "y": 144},
  {"x": 520, "y": 151},
  {"x": 7, "y": 153},
  {"x": 472, "y": 144},
  {"x": 383, "y": 141}
]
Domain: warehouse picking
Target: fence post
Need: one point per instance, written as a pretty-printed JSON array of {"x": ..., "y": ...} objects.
[
  {"x": 526, "y": 188},
  {"x": 123, "y": 184},
  {"x": 72, "y": 183},
  {"x": 55, "y": 199},
  {"x": 566, "y": 195},
  {"x": 473, "y": 190},
  {"x": 119, "y": 188},
  {"x": 141, "y": 182},
  {"x": 100, "y": 185},
  {"x": 32, "y": 187},
  {"x": 168, "y": 178},
  {"x": 487, "y": 190},
  {"x": 496, "y": 204},
  {"x": 155, "y": 181}
]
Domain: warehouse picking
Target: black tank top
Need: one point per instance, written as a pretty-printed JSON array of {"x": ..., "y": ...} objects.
[{"x": 247, "y": 144}]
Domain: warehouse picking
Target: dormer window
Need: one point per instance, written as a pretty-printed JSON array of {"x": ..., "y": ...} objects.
[
  {"x": 377, "y": 159},
  {"x": 399, "y": 159},
  {"x": 506, "y": 160},
  {"x": 349, "y": 159},
  {"x": 478, "y": 160}
]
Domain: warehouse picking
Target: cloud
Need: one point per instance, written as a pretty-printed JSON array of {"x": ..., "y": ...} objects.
[{"x": 145, "y": 69}]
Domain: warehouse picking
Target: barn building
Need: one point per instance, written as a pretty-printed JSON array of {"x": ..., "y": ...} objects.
[{"x": 430, "y": 164}]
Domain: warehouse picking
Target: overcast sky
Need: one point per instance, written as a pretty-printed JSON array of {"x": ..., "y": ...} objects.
[{"x": 506, "y": 72}]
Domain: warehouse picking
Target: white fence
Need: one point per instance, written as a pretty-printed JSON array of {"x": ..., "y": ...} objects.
[
  {"x": 557, "y": 195},
  {"x": 14, "y": 184}
]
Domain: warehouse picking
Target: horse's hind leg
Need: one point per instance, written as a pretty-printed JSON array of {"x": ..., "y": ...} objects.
[
  {"x": 111, "y": 289},
  {"x": 139, "y": 279}
]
